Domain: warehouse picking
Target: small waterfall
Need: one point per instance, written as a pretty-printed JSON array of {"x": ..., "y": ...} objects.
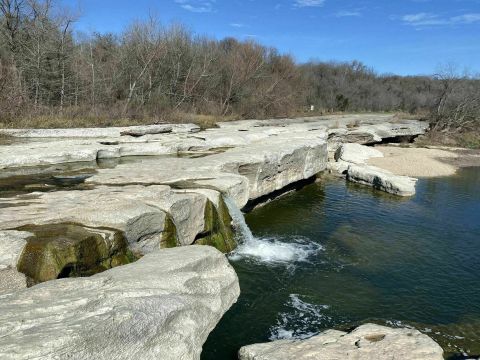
[
  {"x": 268, "y": 250},
  {"x": 243, "y": 231}
]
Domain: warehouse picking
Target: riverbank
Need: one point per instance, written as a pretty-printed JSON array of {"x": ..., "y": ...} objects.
[
  {"x": 424, "y": 162},
  {"x": 337, "y": 255},
  {"x": 93, "y": 201}
]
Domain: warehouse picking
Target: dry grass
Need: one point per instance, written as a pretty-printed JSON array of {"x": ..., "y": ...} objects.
[
  {"x": 468, "y": 140},
  {"x": 204, "y": 121},
  {"x": 109, "y": 118},
  {"x": 354, "y": 124},
  {"x": 56, "y": 121},
  {"x": 399, "y": 116}
]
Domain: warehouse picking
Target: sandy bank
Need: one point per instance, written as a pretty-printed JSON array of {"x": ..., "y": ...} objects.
[{"x": 424, "y": 162}]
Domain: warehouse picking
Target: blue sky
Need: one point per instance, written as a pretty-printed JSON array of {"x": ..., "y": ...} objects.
[{"x": 392, "y": 36}]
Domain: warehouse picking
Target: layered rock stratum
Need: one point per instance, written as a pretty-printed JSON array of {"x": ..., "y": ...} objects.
[
  {"x": 130, "y": 205},
  {"x": 366, "y": 342},
  {"x": 161, "y": 307}
]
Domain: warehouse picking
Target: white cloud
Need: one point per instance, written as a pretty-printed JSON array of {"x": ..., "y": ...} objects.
[
  {"x": 422, "y": 19},
  {"x": 309, "y": 3},
  {"x": 466, "y": 18},
  {"x": 237, "y": 25},
  {"x": 428, "y": 19},
  {"x": 348, "y": 14},
  {"x": 198, "y": 6}
]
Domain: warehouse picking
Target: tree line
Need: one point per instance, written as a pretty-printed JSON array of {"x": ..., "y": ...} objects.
[{"x": 153, "y": 73}]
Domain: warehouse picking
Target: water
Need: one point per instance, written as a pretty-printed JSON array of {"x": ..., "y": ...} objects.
[
  {"x": 267, "y": 250},
  {"x": 335, "y": 255}
]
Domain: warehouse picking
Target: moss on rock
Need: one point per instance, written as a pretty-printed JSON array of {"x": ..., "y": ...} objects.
[
  {"x": 70, "y": 250},
  {"x": 169, "y": 234},
  {"x": 218, "y": 230}
]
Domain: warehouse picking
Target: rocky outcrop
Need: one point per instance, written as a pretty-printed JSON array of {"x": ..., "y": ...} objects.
[
  {"x": 68, "y": 250},
  {"x": 164, "y": 305},
  {"x": 366, "y": 342},
  {"x": 54, "y": 146},
  {"x": 244, "y": 172},
  {"x": 113, "y": 227},
  {"x": 394, "y": 131},
  {"x": 351, "y": 160},
  {"x": 381, "y": 180},
  {"x": 356, "y": 153},
  {"x": 160, "y": 307},
  {"x": 161, "y": 202},
  {"x": 139, "y": 212},
  {"x": 11, "y": 248},
  {"x": 100, "y": 132},
  {"x": 147, "y": 130}
]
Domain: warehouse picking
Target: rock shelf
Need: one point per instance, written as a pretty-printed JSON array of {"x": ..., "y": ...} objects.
[{"x": 171, "y": 193}]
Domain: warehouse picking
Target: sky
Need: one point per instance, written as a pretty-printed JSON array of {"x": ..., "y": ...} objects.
[{"x": 405, "y": 37}]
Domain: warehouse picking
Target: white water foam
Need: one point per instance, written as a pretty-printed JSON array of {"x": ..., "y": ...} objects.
[
  {"x": 302, "y": 321},
  {"x": 267, "y": 250},
  {"x": 276, "y": 251}
]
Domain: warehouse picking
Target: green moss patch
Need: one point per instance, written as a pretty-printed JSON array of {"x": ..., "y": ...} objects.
[
  {"x": 70, "y": 250},
  {"x": 169, "y": 234},
  {"x": 218, "y": 231}
]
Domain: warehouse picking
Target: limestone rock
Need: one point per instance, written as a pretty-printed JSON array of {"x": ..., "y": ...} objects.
[
  {"x": 68, "y": 250},
  {"x": 160, "y": 307},
  {"x": 99, "y": 132},
  {"x": 150, "y": 217},
  {"x": 364, "y": 133},
  {"x": 11, "y": 280},
  {"x": 11, "y": 247},
  {"x": 367, "y": 342},
  {"x": 147, "y": 130},
  {"x": 54, "y": 146},
  {"x": 243, "y": 173},
  {"x": 356, "y": 153},
  {"x": 381, "y": 180}
]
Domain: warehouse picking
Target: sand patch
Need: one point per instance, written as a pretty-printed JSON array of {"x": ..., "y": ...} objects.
[{"x": 416, "y": 162}]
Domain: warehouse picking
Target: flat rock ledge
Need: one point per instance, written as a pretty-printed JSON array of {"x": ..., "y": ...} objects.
[
  {"x": 382, "y": 180},
  {"x": 366, "y": 342},
  {"x": 175, "y": 192},
  {"x": 351, "y": 160},
  {"x": 161, "y": 307}
]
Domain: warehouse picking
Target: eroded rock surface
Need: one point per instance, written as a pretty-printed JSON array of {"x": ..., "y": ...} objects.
[
  {"x": 381, "y": 180},
  {"x": 367, "y": 342},
  {"x": 100, "y": 132},
  {"x": 164, "y": 305},
  {"x": 69, "y": 250},
  {"x": 166, "y": 201},
  {"x": 351, "y": 160},
  {"x": 160, "y": 307},
  {"x": 364, "y": 133},
  {"x": 11, "y": 248}
]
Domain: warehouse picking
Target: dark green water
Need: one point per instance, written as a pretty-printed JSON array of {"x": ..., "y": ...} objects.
[{"x": 335, "y": 255}]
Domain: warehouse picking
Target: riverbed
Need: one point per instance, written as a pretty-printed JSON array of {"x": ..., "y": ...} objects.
[{"x": 335, "y": 255}]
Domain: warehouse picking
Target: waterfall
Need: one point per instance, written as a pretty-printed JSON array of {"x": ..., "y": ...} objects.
[
  {"x": 243, "y": 231},
  {"x": 269, "y": 250}
]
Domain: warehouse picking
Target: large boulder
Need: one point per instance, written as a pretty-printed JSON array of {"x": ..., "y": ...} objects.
[
  {"x": 363, "y": 133},
  {"x": 11, "y": 247},
  {"x": 80, "y": 233},
  {"x": 160, "y": 307},
  {"x": 351, "y": 160},
  {"x": 381, "y": 180},
  {"x": 142, "y": 213},
  {"x": 367, "y": 342},
  {"x": 69, "y": 250},
  {"x": 356, "y": 153},
  {"x": 100, "y": 132},
  {"x": 243, "y": 173}
]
